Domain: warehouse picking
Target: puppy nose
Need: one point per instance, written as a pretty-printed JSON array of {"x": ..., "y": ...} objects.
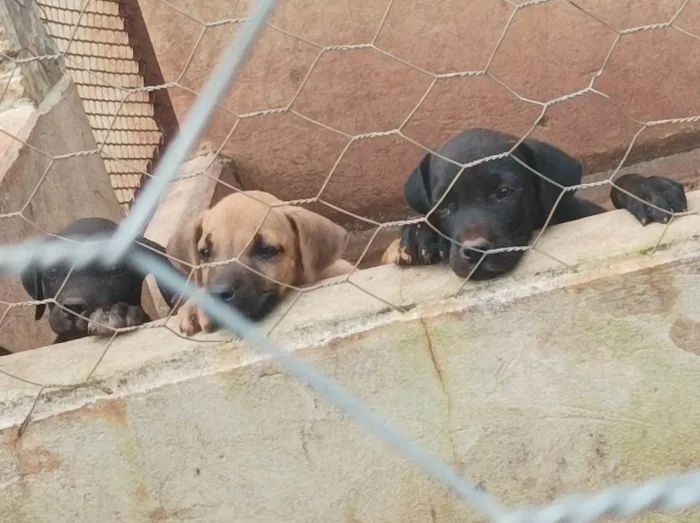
[
  {"x": 473, "y": 250},
  {"x": 76, "y": 305},
  {"x": 222, "y": 292}
]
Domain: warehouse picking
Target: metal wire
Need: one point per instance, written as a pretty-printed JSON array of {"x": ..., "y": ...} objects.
[
  {"x": 670, "y": 493},
  {"x": 197, "y": 118},
  {"x": 331, "y": 391}
]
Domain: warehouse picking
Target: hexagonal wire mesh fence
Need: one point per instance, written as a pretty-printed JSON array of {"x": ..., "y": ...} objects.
[{"x": 672, "y": 492}]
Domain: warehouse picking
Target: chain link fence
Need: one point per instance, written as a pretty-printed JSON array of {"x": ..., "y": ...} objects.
[{"x": 669, "y": 493}]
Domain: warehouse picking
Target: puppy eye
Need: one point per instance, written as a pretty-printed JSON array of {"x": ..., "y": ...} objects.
[
  {"x": 52, "y": 273},
  {"x": 116, "y": 271},
  {"x": 265, "y": 252},
  {"x": 205, "y": 253},
  {"x": 504, "y": 192}
]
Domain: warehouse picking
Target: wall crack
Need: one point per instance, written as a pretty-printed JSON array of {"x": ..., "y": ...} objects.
[{"x": 443, "y": 386}]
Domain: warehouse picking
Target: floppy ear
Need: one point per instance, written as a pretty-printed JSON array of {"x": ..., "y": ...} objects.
[
  {"x": 183, "y": 245},
  {"x": 32, "y": 282},
  {"x": 416, "y": 190},
  {"x": 556, "y": 165},
  {"x": 321, "y": 241}
]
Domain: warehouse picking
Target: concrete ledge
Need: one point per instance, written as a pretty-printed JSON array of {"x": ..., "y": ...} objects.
[
  {"x": 544, "y": 382},
  {"x": 366, "y": 300}
]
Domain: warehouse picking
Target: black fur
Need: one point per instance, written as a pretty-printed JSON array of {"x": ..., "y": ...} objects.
[
  {"x": 94, "y": 299},
  {"x": 500, "y": 203}
]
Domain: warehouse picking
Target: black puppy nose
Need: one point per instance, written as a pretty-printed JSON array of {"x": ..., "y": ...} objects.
[
  {"x": 76, "y": 305},
  {"x": 473, "y": 250},
  {"x": 222, "y": 292}
]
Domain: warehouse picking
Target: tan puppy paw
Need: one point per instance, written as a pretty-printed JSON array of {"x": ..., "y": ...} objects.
[
  {"x": 338, "y": 268},
  {"x": 393, "y": 253},
  {"x": 418, "y": 245},
  {"x": 187, "y": 319},
  {"x": 192, "y": 320},
  {"x": 204, "y": 321}
]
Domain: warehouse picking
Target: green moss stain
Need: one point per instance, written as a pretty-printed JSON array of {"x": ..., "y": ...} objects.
[
  {"x": 617, "y": 338},
  {"x": 619, "y": 381},
  {"x": 661, "y": 435}
]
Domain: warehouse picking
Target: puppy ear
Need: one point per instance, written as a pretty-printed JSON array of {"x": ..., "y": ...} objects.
[
  {"x": 183, "y": 244},
  {"x": 321, "y": 241},
  {"x": 32, "y": 281},
  {"x": 556, "y": 165},
  {"x": 416, "y": 190}
]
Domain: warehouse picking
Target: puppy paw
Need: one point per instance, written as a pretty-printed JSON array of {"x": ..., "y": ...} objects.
[
  {"x": 419, "y": 245},
  {"x": 193, "y": 320},
  {"x": 103, "y": 322},
  {"x": 662, "y": 192},
  {"x": 187, "y": 320}
]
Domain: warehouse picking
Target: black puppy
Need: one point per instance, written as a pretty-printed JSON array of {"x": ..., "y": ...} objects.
[
  {"x": 95, "y": 299},
  {"x": 500, "y": 203}
]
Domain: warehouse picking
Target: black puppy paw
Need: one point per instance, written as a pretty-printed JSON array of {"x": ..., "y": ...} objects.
[
  {"x": 419, "y": 245},
  {"x": 103, "y": 322},
  {"x": 662, "y": 192}
]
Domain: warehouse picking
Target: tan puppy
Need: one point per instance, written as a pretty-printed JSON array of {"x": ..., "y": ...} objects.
[{"x": 284, "y": 245}]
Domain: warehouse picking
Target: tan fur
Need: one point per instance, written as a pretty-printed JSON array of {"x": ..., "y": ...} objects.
[
  {"x": 312, "y": 245},
  {"x": 338, "y": 268},
  {"x": 396, "y": 254},
  {"x": 392, "y": 254}
]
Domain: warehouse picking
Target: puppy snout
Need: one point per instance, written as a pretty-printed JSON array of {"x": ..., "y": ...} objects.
[
  {"x": 225, "y": 293},
  {"x": 472, "y": 250},
  {"x": 76, "y": 305}
]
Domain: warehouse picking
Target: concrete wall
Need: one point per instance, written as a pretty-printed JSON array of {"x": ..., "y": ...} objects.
[
  {"x": 550, "y": 49},
  {"x": 535, "y": 385},
  {"x": 41, "y": 117}
]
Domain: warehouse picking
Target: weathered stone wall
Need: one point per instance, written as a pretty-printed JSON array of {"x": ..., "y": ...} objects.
[{"x": 540, "y": 384}]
